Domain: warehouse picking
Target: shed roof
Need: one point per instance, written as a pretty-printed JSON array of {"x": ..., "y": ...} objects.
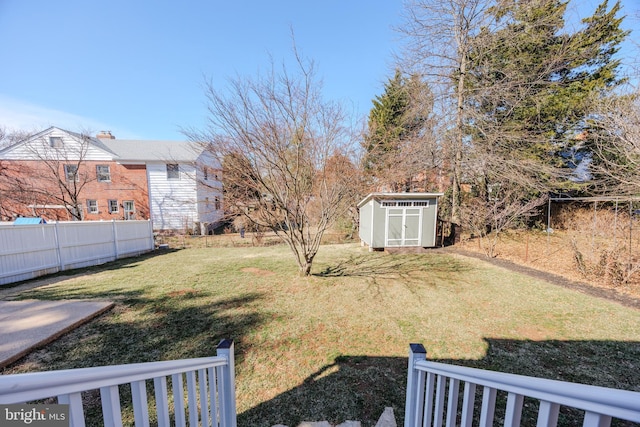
[{"x": 397, "y": 196}]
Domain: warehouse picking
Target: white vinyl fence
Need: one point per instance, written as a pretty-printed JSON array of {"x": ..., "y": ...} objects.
[{"x": 28, "y": 251}]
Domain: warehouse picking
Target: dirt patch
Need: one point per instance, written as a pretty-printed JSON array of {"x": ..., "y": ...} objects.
[{"x": 258, "y": 271}]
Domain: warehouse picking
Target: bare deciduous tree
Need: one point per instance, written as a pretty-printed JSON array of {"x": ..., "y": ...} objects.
[
  {"x": 10, "y": 173},
  {"x": 487, "y": 218},
  {"x": 440, "y": 36},
  {"x": 55, "y": 176},
  {"x": 615, "y": 146},
  {"x": 286, "y": 155}
]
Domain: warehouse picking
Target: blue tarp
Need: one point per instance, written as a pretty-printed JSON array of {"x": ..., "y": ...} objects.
[{"x": 26, "y": 220}]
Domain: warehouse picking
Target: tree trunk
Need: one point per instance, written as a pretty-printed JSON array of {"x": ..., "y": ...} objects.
[
  {"x": 305, "y": 270},
  {"x": 457, "y": 144}
]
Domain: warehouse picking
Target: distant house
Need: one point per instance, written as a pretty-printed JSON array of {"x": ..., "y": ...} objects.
[{"x": 63, "y": 175}]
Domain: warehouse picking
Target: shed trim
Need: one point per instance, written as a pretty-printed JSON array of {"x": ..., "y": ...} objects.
[{"x": 380, "y": 196}]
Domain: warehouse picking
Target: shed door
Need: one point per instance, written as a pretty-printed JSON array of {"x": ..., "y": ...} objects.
[{"x": 403, "y": 227}]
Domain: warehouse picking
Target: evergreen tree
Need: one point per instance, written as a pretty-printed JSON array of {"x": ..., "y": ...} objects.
[
  {"x": 386, "y": 120},
  {"x": 531, "y": 80},
  {"x": 396, "y": 121},
  {"x": 600, "y": 41}
]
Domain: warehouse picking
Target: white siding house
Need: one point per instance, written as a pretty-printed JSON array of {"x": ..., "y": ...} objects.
[
  {"x": 184, "y": 181},
  {"x": 183, "y": 185},
  {"x": 60, "y": 144}
]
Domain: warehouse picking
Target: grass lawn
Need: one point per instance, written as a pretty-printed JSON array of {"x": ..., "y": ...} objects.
[{"x": 333, "y": 346}]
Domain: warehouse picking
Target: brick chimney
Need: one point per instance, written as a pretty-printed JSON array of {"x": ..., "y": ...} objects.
[{"x": 105, "y": 134}]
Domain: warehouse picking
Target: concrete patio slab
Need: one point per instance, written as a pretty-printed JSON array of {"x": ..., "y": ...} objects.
[{"x": 29, "y": 324}]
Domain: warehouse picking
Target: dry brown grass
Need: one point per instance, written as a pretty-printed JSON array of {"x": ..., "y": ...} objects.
[
  {"x": 597, "y": 247},
  {"x": 233, "y": 240}
]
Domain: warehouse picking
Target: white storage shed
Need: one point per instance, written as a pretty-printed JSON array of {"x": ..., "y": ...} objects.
[{"x": 399, "y": 220}]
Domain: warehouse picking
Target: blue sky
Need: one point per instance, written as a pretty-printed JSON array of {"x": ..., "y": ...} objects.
[{"x": 137, "y": 67}]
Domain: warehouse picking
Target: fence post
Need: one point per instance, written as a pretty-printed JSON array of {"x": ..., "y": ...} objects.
[
  {"x": 228, "y": 380},
  {"x": 58, "y": 247},
  {"x": 115, "y": 238},
  {"x": 152, "y": 242},
  {"x": 416, "y": 353}
]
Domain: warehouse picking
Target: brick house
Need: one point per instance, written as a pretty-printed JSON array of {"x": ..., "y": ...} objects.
[{"x": 62, "y": 175}]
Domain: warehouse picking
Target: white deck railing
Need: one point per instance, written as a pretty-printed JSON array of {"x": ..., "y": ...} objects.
[
  {"x": 210, "y": 390},
  {"x": 430, "y": 385}
]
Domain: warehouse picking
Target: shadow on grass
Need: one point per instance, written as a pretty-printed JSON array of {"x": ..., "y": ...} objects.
[
  {"x": 360, "y": 387},
  {"x": 169, "y": 327},
  {"x": 122, "y": 263},
  {"x": 412, "y": 270},
  {"x": 392, "y": 266},
  {"x": 144, "y": 327},
  {"x": 140, "y": 328}
]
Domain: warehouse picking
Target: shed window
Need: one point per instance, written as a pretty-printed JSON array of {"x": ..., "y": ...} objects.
[{"x": 405, "y": 203}]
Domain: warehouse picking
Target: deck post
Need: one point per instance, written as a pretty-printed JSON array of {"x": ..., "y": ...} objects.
[
  {"x": 416, "y": 353},
  {"x": 228, "y": 385}
]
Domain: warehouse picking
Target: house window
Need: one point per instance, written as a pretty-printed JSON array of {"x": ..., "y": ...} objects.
[
  {"x": 217, "y": 203},
  {"x": 424, "y": 203},
  {"x": 55, "y": 142},
  {"x": 71, "y": 172},
  {"x": 173, "y": 171},
  {"x": 113, "y": 206},
  {"x": 205, "y": 172},
  {"x": 92, "y": 206},
  {"x": 103, "y": 173},
  {"x": 388, "y": 204}
]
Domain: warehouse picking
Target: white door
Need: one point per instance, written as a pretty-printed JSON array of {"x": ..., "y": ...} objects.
[
  {"x": 403, "y": 227},
  {"x": 129, "y": 210}
]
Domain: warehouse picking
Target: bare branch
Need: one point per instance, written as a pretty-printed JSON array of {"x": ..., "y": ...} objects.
[{"x": 286, "y": 155}]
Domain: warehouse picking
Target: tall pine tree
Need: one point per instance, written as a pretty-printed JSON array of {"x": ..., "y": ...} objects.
[
  {"x": 531, "y": 81},
  {"x": 397, "y": 123},
  {"x": 386, "y": 123}
]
